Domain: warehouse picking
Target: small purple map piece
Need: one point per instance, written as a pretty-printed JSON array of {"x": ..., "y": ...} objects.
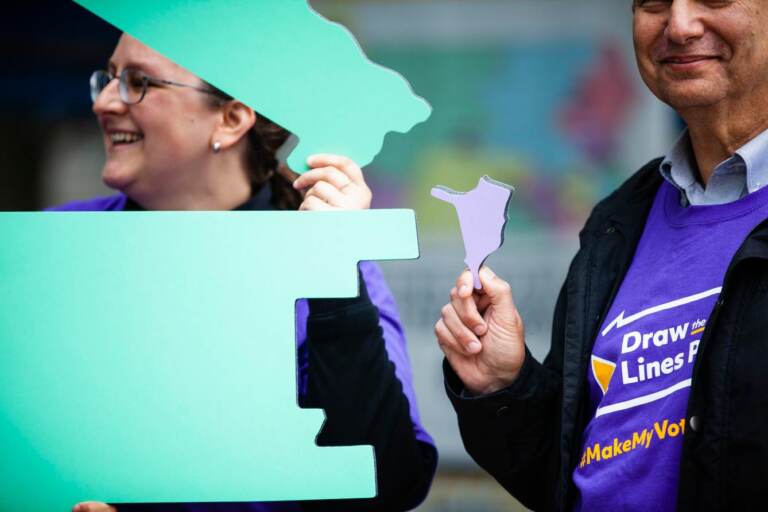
[{"x": 482, "y": 217}]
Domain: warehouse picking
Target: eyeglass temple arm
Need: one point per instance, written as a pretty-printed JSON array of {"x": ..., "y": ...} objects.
[{"x": 178, "y": 84}]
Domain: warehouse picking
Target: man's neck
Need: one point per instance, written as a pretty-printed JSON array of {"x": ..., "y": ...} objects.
[{"x": 718, "y": 132}]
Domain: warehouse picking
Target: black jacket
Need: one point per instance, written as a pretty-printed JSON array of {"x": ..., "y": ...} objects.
[
  {"x": 353, "y": 380},
  {"x": 528, "y": 435}
]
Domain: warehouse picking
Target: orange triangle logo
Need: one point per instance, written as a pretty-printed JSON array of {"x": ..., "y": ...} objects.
[{"x": 602, "y": 370}]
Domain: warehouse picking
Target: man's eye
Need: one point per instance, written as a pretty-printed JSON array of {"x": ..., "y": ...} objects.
[
  {"x": 653, "y": 5},
  {"x": 716, "y": 4}
]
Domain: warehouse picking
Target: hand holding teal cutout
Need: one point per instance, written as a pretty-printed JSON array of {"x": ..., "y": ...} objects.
[
  {"x": 285, "y": 61},
  {"x": 100, "y": 392},
  {"x": 482, "y": 217}
]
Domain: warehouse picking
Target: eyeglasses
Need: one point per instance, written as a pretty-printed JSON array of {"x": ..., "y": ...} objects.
[{"x": 132, "y": 84}]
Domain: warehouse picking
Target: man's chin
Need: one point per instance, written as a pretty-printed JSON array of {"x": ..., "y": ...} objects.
[{"x": 691, "y": 94}]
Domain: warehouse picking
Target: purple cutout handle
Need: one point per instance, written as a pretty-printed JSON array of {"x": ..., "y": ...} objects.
[{"x": 482, "y": 218}]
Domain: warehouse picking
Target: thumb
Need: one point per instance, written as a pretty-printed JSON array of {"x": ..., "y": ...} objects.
[{"x": 497, "y": 290}]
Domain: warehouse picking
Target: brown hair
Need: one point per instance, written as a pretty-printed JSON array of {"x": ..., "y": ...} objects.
[{"x": 264, "y": 140}]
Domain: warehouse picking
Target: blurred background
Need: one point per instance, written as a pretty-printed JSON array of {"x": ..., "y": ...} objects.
[{"x": 541, "y": 94}]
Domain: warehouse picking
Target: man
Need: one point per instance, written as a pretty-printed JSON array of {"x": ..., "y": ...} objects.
[{"x": 654, "y": 393}]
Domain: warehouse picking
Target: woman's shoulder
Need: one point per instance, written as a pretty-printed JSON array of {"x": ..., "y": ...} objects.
[{"x": 114, "y": 202}]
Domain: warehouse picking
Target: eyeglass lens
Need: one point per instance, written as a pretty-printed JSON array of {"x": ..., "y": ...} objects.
[
  {"x": 99, "y": 80},
  {"x": 131, "y": 85}
]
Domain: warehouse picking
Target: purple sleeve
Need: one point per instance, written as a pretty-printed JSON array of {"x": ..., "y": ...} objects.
[
  {"x": 394, "y": 339},
  {"x": 100, "y": 204}
]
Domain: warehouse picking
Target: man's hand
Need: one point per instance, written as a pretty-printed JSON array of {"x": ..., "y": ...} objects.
[
  {"x": 334, "y": 183},
  {"x": 93, "y": 506},
  {"x": 481, "y": 333}
]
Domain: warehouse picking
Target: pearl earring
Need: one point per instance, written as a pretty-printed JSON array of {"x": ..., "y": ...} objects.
[{"x": 216, "y": 146}]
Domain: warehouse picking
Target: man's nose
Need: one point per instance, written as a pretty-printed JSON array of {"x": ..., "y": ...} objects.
[
  {"x": 684, "y": 24},
  {"x": 108, "y": 100}
]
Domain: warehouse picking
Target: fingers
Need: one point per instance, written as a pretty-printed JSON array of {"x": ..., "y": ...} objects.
[
  {"x": 336, "y": 181},
  {"x": 468, "y": 342},
  {"x": 343, "y": 163},
  {"x": 468, "y": 313},
  {"x": 465, "y": 284},
  {"x": 451, "y": 346},
  {"x": 93, "y": 506},
  {"x": 465, "y": 303},
  {"x": 313, "y": 203},
  {"x": 482, "y": 301},
  {"x": 330, "y": 174},
  {"x": 327, "y": 193},
  {"x": 498, "y": 291},
  {"x": 444, "y": 337}
]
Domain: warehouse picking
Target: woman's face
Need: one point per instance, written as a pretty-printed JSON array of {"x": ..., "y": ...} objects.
[{"x": 162, "y": 143}]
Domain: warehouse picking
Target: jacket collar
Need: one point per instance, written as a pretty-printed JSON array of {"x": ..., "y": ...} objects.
[
  {"x": 626, "y": 209},
  {"x": 635, "y": 204},
  {"x": 755, "y": 246}
]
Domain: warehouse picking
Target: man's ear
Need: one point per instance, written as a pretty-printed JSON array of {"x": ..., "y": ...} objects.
[{"x": 235, "y": 120}]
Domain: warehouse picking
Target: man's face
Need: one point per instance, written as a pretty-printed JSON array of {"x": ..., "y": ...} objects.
[{"x": 699, "y": 53}]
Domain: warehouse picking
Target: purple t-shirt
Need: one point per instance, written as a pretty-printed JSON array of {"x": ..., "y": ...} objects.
[
  {"x": 642, "y": 361},
  {"x": 389, "y": 320}
]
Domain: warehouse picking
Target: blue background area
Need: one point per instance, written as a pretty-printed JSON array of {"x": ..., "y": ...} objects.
[{"x": 525, "y": 105}]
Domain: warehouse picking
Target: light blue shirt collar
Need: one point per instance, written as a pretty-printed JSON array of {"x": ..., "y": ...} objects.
[{"x": 743, "y": 173}]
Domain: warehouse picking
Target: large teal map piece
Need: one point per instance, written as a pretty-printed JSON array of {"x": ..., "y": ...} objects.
[
  {"x": 285, "y": 61},
  {"x": 150, "y": 357}
]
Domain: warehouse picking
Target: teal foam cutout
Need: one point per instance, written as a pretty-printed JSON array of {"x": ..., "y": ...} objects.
[
  {"x": 286, "y": 62},
  {"x": 150, "y": 357}
]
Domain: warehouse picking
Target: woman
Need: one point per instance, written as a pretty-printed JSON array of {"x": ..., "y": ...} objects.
[{"x": 174, "y": 142}]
